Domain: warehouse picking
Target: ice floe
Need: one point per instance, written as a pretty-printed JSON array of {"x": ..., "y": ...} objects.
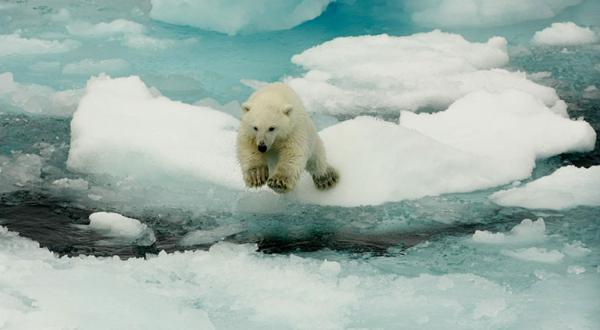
[
  {"x": 385, "y": 74},
  {"x": 36, "y": 99},
  {"x": 234, "y": 17},
  {"x": 527, "y": 231},
  {"x": 565, "y": 34},
  {"x": 15, "y": 44},
  {"x": 480, "y": 13},
  {"x": 121, "y": 228},
  {"x": 91, "y": 66},
  {"x": 567, "y": 187},
  {"x": 131, "y": 34}
]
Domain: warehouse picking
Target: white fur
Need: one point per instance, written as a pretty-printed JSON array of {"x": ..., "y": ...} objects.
[{"x": 293, "y": 142}]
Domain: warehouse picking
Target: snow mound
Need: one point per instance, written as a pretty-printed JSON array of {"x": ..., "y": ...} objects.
[
  {"x": 565, "y": 34},
  {"x": 234, "y": 17},
  {"x": 494, "y": 124},
  {"x": 526, "y": 232},
  {"x": 120, "y": 128},
  {"x": 14, "y": 44},
  {"x": 567, "y": 187},
  {"x": 382, "y": 73},
  {"x": 478, "y": 13},
  {"x": 116, "y": 226},
  {"x": 36, "y": 99},
  {"x": 535, "y": 254},
  {"x": 90, "y": 66}
]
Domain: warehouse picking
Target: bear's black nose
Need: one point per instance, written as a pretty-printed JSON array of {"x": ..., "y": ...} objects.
[{"x": 262, "y": 148}]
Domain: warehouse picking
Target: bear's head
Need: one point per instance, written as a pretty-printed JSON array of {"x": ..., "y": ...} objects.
[{"x": 266, "y": 124}]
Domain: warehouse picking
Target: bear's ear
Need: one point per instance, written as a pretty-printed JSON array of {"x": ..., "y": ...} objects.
[
  {"x": 245, "y": 107},
  {"x": 287, "y": 109}
]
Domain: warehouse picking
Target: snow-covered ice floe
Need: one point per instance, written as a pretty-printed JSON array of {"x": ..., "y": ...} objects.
[
  {"x": 567, "y": 187},
  {"x": 565, "y": 34},
  {"x": 483, "y": 140},
  {"x": 234, "y": 17},
  {"x": 483, "y": 13},
  {"x": 120, "y": 228},
  {"x": 232, "y": 286},
  {"x": 385, "y": 74}
]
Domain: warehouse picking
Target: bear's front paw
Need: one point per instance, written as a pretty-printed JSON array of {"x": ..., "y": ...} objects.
[
  {"x": 256, "y": 176},
  {"x": 279, "y": 183},
  {"x": 327, "y": 180}
]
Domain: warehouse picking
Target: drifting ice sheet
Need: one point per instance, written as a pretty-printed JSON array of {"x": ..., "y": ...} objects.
[
  {"x": 233, "y": 17},
  {"x": 386, "y": 74},
  {"x": 121, "y": 129},
  {"x": 567, "y": 187},
  {"x": 565, "y": 34}
]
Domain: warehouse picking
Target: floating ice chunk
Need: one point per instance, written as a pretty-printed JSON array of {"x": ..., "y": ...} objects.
[
  {"x": 409, "y": 166},
  {"x": 535, "y": 254},
  {"x": 74, "y": 184},
  {"x": 567, "y": 187},
  {"x": 234, "y": 17},
  {"x": 526, "y": 232},
  {"x": 130, "y": 33},
  {"x": 475, "y": 13},
  {"x": 121, "y": 128},
  {"x": 388, "y": 74},
  {"x": 105, "y": 29},
  {"x": 14, "y": 44},
  {"x": 576, "y": 249},
  {"x": 36, "y": 98},
  {"x": 119, "y": 227},
  {"x": 574, "y": 269},
  {"x": 90, "y": 66},
  {"x": 511, "y": 125},
  {"x": 565, "y": 34},
  {"x": 19, "y": 170},
  {"x": 591, "y": 92},
  {"x": 198, "y": 237}
]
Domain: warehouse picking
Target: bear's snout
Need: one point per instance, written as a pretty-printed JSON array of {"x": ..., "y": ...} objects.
[{"x": 262, "y": 147}]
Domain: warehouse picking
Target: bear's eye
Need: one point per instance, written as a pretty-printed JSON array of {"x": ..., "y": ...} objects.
[
  {"x": 271, "y": 129},
  {"x": 255, "y": 128}
]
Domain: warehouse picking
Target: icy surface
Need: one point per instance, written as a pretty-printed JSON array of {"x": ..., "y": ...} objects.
[
  {"x": 116, "y": 226},
  {"x": 386, "y": 74},
  {"x": 234, "y": 17},
  {"x": 15, "y": 44},
  {"x": 36, "y": 99},
  {"x": 565, "y": 34},
  {"x": 121, "y": 128},
  {"x": 527, "y": 231},
  {"x": 567, "y": 187},
  {"x": 231, "y": 285},
  {"x": 479, "y": 13}
]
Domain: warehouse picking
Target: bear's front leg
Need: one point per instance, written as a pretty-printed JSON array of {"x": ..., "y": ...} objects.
[
  {"x": 292, "y": 161},
  {"x": 254, "y": 165}
]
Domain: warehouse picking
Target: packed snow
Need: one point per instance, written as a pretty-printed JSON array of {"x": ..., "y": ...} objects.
[
  {"x": 14, "y": 44},
  {"x": 565, "y": 34},
  {"x": 122, "y": 129},
  {"x": 387, "y": 74},
  {"x": 121, "y": 228},
  {"x": 234, "y": 17},
  {"x": 36, "y": 99},
  {"x": 232, "y": 285},
  {"x": 483, "y": 13},
  {"x": 527, "y": 231},
  {"x": 567, "y": 187}
]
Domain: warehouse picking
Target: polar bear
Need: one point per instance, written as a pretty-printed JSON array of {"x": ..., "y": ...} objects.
[{"x": 275, "y": 129}]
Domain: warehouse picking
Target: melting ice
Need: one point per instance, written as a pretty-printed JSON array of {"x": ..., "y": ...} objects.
[{"x": 465, "y": 133}]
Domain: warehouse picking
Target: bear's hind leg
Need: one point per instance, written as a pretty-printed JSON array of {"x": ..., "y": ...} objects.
[{"x": 324, "y": 176}]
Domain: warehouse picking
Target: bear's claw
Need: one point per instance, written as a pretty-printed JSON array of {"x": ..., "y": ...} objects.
[
  {"x": 279, "y": 184},
  {"x": 256, "y": 176},
  {"x": 327, "y": 180}
]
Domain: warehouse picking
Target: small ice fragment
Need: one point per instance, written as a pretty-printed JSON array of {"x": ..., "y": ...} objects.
[
  {"x": 526, "y": 232},
  {"x": 535, "y": 254},
  {"x": 574, "y": 269},
  {"x": 116, "y": 226}
]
